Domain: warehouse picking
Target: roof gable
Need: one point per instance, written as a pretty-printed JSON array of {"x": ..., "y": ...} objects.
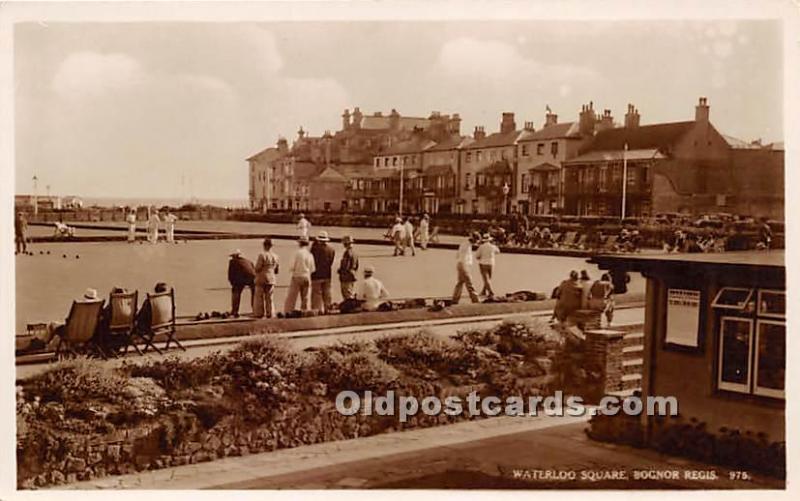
[
  {"x": 555, "y": 131},
  {"x": 495, "y": 140}
]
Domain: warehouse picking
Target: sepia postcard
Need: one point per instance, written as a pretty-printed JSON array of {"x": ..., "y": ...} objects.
[{"x": 507, "y": 249}]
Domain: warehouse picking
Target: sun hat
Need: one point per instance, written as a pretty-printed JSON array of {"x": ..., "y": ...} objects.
[
  {"x": 237, "y": 252},
  {"x": 303, "y": 239},
  {"x": 486, "y": 237},
  {"x": 347, "y": 239},
  {"x": 323, "y": 236},
  {"x": 369, "y": 269},
  {"x": 90, "y": 294}
]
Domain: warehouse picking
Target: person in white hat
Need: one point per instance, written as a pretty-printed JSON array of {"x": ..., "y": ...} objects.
[
  {"x": 464, "y": 260},
  {"x": 170, "y": 219},
  {"x": 486, "y": 260},
  {"x": 424, "y": 231},
  {"x": 324, "y": 255},
  {"x": 371, "y": 290},
  {"x": 131, "y": 220},
  {"x": 303, "y": 226},
  {"x": 267, "y": 266},
  {"x": 398, "y": 234},
  {"x": 300, "y": 283},
  {"x": 408, "y": 230},
  {"x": 152, "y": 226},
  {"x": 90, "y": 294},
  {"x": 241, "y": 274}
]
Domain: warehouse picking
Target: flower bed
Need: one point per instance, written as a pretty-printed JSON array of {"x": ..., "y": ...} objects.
[
  {"x": 81, "y": 419},
  {"x": 691, "y": 439}
]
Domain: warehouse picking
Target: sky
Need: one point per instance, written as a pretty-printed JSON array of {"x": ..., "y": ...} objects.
[{"x": 166, "y": 109}]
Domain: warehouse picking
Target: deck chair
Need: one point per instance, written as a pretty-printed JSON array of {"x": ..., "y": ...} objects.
[
  {"x": 569, "y": 238},
  {"x": 581, "y": 242},
  {"x": 162, "y": 320},
  {"x": 555, "y": 238},
  {"x": 80, "y": 328},
  {"x": 611, "y": 242},
  {"x": 121, "y": 322}
]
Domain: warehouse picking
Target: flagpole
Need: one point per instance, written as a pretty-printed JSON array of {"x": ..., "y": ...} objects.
[{"x": 624, "y": 178}]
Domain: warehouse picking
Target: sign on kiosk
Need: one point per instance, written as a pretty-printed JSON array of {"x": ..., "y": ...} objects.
[{"x": 683, "y": 317}]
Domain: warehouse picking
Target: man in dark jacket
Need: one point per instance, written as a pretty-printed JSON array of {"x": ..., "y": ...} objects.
[
  {"x": 241, "y": 274},
  {"x": 321, "y": 277},
  {"x": 348, "y": 267}
]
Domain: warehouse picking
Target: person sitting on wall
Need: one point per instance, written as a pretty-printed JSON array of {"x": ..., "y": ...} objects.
[
  {"x": 371, "y": 291},
  {"x": 61, "y": 230},
  {"x": 601, "y": 297},
  {"x": 568, "y": 297}
]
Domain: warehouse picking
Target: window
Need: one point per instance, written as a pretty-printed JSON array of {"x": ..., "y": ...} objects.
[
  {"x": 603, "y": 178},
  {"x": 554, "y": 148},
  {"x": 394, "y": 161},
  {"x": 540, "y": 149},
  {"x": 772, "y": 304},
  {"x": 469, "y": 157},
  {"x": 525, "y": 150},
  {"x": 481, "y": 179},
  {"x": 468, "y": 181},
  {"x": 524, "y": 183},
  {"x": 377, "y": 162},
  {"x": 386, "y": 162},
  {"x": 752, "y": 345},
  {"x": 735, "y": 348},
  {"x": 478, "y": 155}
]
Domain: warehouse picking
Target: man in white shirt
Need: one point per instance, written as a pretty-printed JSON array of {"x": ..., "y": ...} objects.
[
  {"x": 463, "y": 265},
  {"x": 131, "y": 220},
  {"x": 170, "y": 219},
  {"x": 300, "y": 282},
  {"x": 408, "y": 230},
  {"x": 486, "y": 260},
  {"x": 303, "y": 226},
  {"x": 398, "y": 234},
  {"x": 152, "y": 226},
  {"x": 424, "y": 231},
  {"x": 371, "y": 291}
]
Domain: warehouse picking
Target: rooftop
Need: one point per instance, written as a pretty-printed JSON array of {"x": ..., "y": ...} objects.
[
  {"x": 555, "y": 131},
  {"x": 495, "y": 140},
  {"x": 727, "y": 261},
  {"x": 657, "y": 136},
  {"x": 608, "y": 156}
]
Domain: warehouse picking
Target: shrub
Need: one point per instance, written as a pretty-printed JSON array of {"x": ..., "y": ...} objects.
[
  {"x": 428, "y": 351},
  {"x": 358, "y": 370},
  {"x": 531, "y": 338},
  {"x": 76, "y": 380},
  {"x": 173, "y": 373}
]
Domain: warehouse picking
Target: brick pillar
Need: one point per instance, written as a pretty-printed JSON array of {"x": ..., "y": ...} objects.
[
  {"x": 603, "y": 351},
  {"x": 587, "y": 320}
]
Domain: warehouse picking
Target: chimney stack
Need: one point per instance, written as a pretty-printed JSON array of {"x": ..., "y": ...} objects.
[
  {"x": 346, "y": 120},
  {"x": 283, "y": 145},
  {"x": 586, "y": 119},
  {"x": 357, "y": 117},
  {"x": 605, "y": 121},
  {"x": 508, "y": 124},
  {"x": 550, "y": 119},
  {"x": 300, "y": 133},
  {"x": 394, "y": 120},
  {"x": 529, "y": 126},
  {"x": 455, "y": 124},
  {"x": 631, "y": 117},
  {"x": 701, "y": 110},
  {"x": 479, "y": 133}
]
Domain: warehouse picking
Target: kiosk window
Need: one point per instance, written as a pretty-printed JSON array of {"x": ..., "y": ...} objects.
[
  {"x": 734, "y": 353},
  {"x": 772, "y": 303},
  {"x": 770, "y": 358}
]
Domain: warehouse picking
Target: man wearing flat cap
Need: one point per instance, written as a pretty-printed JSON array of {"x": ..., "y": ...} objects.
[
  {"x": 348, "y": 267},
  {"x": 241, "y": 274}
]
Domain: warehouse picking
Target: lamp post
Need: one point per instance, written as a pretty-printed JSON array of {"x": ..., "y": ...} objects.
[
  {"x": 400, "y": 208},
  {"x": 506, "y": 191},
  {"x": 35, "y": 199},
  {"x": 624, "y": 179}
]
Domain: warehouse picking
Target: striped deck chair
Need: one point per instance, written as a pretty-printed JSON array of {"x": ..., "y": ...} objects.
[
  {"x": 581, "y": 242},
  {"x": 569, "y": 238},
  {"x": 80, "y": 328},
  {"x": 163, "y": 317},
  {"x": 118, "y": 332}
]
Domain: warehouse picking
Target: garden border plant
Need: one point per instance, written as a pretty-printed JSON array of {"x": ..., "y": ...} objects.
[{"x": 81, "y": 420}]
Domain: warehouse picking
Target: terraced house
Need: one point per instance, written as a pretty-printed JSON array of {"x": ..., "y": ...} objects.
[
  {"x": 541, "y": 154},
  {"x": 686, "y": 167},
  {"x": 488, "y": 169}
]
